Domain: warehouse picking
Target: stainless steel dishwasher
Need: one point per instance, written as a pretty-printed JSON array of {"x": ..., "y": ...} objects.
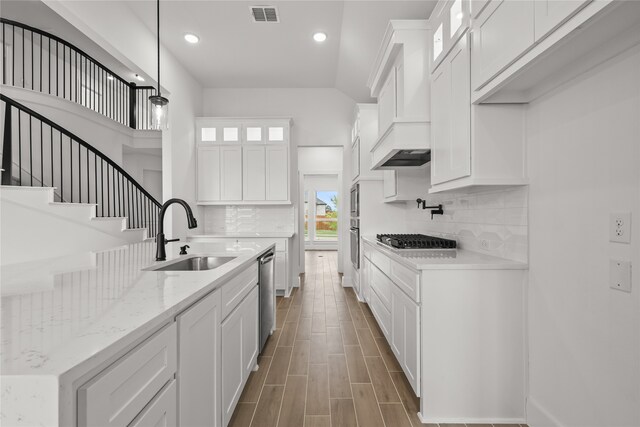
[{"x": 266, "y": 283}]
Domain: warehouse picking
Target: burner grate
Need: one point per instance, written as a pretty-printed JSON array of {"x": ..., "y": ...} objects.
[{"x": 415, "y": 241}]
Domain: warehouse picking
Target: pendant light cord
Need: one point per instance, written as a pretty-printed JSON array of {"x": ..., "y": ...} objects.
[{"x": 158, "y": 35}]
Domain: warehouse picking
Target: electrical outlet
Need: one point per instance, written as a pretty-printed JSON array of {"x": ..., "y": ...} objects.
[
  {"x": 620, "y": 275},
  {"x": 620, "y": 227}
]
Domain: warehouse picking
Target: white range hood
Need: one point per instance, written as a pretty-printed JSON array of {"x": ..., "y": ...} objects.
[{"x": 400, "y": 82}]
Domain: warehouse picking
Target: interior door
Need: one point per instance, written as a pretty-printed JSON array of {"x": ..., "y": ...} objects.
[{"x": 321, "y": 212}]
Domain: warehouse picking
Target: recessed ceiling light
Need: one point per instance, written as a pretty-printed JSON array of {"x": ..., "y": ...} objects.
[
  {"x": 319, "y": 37},
  {"x": 191, "y": 38},
  {"x": 139, "y": 77}
]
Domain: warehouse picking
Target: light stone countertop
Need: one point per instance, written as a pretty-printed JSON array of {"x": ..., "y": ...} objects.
[
  {"x": 258, "y": 234},
  {"x": 459, "y": 259},
  {"x": 64, "y": 317}
]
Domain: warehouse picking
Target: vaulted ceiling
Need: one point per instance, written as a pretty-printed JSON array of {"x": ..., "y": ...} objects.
[{"x": 235, "y": 52}]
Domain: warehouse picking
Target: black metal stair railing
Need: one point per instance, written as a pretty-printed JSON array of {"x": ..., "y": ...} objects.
[
  {"x": 38, "y": 152},
  {"x": 40, "y": 61}
]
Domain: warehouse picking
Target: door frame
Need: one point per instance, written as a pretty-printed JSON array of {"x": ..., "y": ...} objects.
[{"x": 341, "y": 220}]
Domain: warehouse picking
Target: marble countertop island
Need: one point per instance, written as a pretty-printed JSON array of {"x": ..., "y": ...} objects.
[{"x": 64, "y": 317}]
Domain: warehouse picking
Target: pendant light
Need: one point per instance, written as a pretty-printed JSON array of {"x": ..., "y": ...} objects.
[{"x": 159, "y": 110}]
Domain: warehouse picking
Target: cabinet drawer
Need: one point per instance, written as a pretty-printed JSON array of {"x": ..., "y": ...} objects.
[
  {"x": 382, "y": 315},
  {"x": 120, "y": 392},
  {"x": 381, "y": 261},
  {"x": 161, "y": 412},
  {"x": 406, "y": 279},
  {"x": 237, "y": 288},
  {"x": 382, "y": 285}
]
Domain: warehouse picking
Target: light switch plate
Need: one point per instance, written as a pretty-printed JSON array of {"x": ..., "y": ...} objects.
[
  {"x": 620, "y": 275},
  {"x": 620, "y": 227}
]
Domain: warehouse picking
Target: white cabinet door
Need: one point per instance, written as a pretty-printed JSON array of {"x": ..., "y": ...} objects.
[
  {"x": 451, "y": 116},
  {"x": 502, "y": 32},
  {"x": 199, "y": 363},
  {"x": 230, "y": 173},
  {"x": 281, "y": 271},
  {"x": 551, "y": 13},
  {"x": 161, "y": 412},
  {"x": 365, "y": 274},
  {"x": 355, "y": 160},
  {"x": 250, "y": 331},
  {"x": 277, "y": 171},
  {"x": 208, "y": 167},
  {"x": 387, "y": 103},
  {"x": 390, "y": 188},
  {"x": 239, "y": 343},
  {"x": 405, "y": 335},
  {"x": 233, "y": 371},
  {"x": 253, "y": 173}
]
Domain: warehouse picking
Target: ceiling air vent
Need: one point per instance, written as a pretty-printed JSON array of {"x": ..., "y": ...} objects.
[{"x": 264, "y": 14}]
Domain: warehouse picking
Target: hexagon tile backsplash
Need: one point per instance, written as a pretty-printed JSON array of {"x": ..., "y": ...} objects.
[{"x": 494, "y": 222}]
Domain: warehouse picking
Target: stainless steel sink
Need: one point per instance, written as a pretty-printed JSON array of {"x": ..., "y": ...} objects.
[{"x": 198, "y": 263}]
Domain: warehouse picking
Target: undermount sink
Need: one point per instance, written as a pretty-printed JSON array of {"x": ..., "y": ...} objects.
[{"x": 198, "y": 263}]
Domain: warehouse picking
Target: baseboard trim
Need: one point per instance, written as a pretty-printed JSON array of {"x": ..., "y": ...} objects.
[
  {"x": 538, "y": 416},
  {"x": 432, "y": 420}
]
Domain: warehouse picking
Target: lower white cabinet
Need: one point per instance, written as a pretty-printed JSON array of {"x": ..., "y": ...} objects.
[
  {"x": 281, "y": 271},
  {"x": 405, "y": 335},
  {"x": 119, "y": 393},
  {"x": 239, "y": 343},
  {"x": 161, "y": 411},
  {"x": 199, "y": 363}
]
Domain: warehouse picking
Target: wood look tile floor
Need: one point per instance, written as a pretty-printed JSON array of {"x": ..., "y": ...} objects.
[{"x": 327, "y": 364}]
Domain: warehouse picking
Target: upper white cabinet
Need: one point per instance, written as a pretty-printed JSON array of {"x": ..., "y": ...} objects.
[
  {"x": 277, "y": 173},
  {"x": 523, "y": 49},
  {"x": 551, "y": 13},
  {"x": 451, "y": 116},
  {"x": 243, "y": 161},
  {"x": 199, "y": 363},
  {"x": 399, "y": 80},
  {"x": 501, "y": 33},
  {"x": 449, "y": 20},
  {"x": 365, "y": 132},
  {"x": 405, "y": 184}
]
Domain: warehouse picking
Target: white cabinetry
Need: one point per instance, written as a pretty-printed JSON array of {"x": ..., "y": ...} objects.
[
  {"x": 161, "y": 411},
  {"x": 253, "y": 173},
  {"x": 199, "y": 363},
  {"x": 243, "y": 161},
  {"x": 451, "y": 116},
  {"x": 365, "y": 132},
  {"x": 549, "y": 14},
  {"x": 502, "y": 32},
  {"x": 277, "y": 173},
  {"x": 449, "y": 20},
  {"x": 400, "y": 83},
  {"x": 208, "y": 181},
  {"x": 405, "y": 184},
  {"x": 239, "y": 336},
  {"x": 230, "y": 173},
  {"x": 131, "y": 383},
  {"x": 405, "y": 335}
]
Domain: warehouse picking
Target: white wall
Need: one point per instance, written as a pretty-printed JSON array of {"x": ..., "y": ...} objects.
[
  {"x": 113, "y": 25},
  {"x": 584, "y": 162}
]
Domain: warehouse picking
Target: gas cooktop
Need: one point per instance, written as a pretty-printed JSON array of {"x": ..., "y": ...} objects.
[{"x": 415, "y": 241}]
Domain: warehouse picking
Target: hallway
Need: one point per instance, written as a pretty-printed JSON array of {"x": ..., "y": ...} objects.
[{"x": 327, "y": 364}]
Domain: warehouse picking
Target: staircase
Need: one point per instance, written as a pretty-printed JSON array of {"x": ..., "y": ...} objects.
[{"x": 59, "y": 194}]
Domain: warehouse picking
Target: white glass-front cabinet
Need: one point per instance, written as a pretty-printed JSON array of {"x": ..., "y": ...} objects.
[
  {"x": 451, "y": 116},
  {"x": 199, "y": 363},
  {"x": 449, "y": 20},
  {"x": 245, "y": 161}
]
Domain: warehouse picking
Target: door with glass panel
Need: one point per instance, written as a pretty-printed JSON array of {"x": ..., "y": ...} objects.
[{"x": 321, "y": 213}]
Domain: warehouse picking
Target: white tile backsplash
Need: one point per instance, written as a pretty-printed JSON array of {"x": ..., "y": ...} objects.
[
  {"x": 492, "y": 221},
  {"x": 244, "y": 219}
]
